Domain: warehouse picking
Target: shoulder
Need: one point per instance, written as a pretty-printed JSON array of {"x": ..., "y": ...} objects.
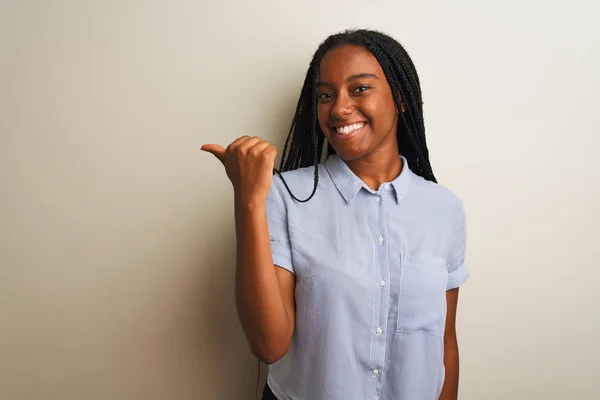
[{"x": 436, "y": 196}]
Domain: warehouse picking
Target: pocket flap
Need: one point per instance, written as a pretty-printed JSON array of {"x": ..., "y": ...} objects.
[{"x": 422, "y": 259}]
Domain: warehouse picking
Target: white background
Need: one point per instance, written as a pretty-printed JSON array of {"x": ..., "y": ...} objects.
[{"x": 117, "y": 240}]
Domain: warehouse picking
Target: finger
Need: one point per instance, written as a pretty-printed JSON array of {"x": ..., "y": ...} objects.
[
  {"x": 216, "y": 150},
  {"x": 237, "y": 142},
  {"x": 249, "y": 143},
  {"x": 270, "y": 152},
  {"x": 259, "y": 147}
]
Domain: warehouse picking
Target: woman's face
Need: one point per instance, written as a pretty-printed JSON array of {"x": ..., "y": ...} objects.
[{"x": 356, "y": 110}]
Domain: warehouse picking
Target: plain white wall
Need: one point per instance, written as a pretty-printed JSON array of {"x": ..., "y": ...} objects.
[{"x": 117, "y": 241}]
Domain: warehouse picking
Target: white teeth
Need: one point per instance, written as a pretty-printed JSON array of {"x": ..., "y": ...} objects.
[{"x": 350, "y": 128}]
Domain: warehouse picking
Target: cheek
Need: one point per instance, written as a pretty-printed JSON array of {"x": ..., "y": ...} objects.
[
  {"x": 373, "y": 113},
  {"x": 381, "y": 115}
]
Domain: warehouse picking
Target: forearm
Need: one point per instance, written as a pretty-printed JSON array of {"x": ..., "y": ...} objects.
[
  {"x": 451, "y": 363},
  {"x": 259, "y": 300}
]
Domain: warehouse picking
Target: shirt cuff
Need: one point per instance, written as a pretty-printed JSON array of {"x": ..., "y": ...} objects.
[
  {"x": 458, "y": 277},
  {"x": 280, "y": 258}
]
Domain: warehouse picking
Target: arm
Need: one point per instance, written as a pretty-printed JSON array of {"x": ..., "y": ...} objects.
[
  {"x": 451, "y": 361},
  {"x": 264, "y": 292},
  {"x": 458, "y": 274}
]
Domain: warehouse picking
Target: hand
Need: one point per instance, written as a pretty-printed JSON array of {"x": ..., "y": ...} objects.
[{"x": 249, "y": 163}]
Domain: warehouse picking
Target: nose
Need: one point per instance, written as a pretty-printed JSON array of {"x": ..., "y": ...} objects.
[{"x": 342, "y": 107}]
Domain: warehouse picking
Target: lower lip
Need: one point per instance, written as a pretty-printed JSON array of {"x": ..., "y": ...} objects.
[{"x": 348, "y": 136}]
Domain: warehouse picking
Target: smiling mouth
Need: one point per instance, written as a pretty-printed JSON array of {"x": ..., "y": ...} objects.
[{"x": 348, "y": 129}]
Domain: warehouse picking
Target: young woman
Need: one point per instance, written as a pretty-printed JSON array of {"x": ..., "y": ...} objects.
[{"x": 348, "y": 269}]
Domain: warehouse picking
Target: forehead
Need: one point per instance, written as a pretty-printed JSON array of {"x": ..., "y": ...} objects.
[{"x": 344, "y": 61}]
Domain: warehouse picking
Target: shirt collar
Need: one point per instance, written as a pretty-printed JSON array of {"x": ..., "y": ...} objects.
[{"x": 348, "y": 184}]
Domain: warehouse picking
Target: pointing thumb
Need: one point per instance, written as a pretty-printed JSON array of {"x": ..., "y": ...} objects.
[{"x": 215, "y": 150}]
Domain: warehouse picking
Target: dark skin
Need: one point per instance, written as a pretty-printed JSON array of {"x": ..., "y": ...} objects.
[
  {"x": 353, "y": 89},
  {"x": 451, "y": 360}
]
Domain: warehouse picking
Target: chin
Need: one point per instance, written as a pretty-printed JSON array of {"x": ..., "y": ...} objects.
[{"x": 349, "y": 154}]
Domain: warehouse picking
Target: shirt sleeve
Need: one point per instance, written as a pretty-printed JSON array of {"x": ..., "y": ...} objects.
[
  {"x": 277, "y": 219},
  {"x": 455, "y": 263}
]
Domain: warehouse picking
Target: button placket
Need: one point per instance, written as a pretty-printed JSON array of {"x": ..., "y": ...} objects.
[{"x": 378, "y": 342}]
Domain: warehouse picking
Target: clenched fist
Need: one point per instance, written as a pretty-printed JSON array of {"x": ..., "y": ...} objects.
[{"x": 249, "y": 163}]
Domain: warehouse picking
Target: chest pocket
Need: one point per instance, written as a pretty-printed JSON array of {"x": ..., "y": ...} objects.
[{"x": 422, "y": 297}]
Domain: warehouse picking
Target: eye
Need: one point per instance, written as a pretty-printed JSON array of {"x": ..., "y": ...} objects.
[
  {"x": 360, "y": 89},
  {"x": 324, "y": 96}
]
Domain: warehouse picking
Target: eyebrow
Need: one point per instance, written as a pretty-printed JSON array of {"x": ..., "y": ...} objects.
[{"x": 350, "y": 79}]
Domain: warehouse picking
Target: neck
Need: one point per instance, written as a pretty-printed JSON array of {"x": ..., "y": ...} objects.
[{"x": 374, "y": 170}]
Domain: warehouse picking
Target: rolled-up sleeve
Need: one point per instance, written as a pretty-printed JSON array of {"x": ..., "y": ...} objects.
[
  {"x": 277, "y": 219},
  {"x": 455, "y": 263}
]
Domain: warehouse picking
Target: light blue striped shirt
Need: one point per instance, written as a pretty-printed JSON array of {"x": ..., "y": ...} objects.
[{"x": 372, "y": 269}]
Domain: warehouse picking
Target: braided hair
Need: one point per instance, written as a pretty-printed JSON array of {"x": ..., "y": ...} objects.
[{"x": 304, "y": 144}]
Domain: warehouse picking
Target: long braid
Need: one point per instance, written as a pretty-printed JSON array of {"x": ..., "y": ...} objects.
[
  {"x": 411, "y": 92},
  {"x": 300, "y": 152}
]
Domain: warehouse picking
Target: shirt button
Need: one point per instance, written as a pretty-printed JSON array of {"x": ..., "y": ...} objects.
[
  {"x": 377, "y": 199},
  {"x": 380, "y": 239},
  {"x": 375, "y": 372},
  {"x": 382, "y": 283},
  {"x": 378, "y": 331}
]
